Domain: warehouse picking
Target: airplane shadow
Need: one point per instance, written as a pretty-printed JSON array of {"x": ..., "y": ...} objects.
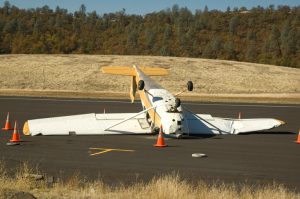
[
  {"x": 205, "y": 136},
  {"x": 200, "y": 136},
  {"x": 269, "y": 133}
]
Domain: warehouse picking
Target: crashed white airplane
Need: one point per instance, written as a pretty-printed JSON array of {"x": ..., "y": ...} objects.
[{"x": 160, "y": 108}]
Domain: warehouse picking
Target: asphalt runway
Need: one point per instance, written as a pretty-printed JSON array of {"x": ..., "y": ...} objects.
[{"x": 257, "y": 158}]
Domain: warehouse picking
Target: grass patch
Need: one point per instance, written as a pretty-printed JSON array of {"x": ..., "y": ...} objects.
[{"x": 169, "y": 186}]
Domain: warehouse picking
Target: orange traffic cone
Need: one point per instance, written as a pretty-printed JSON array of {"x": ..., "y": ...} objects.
[
  {"x": 16, "y": 136},
  {"x": 7, "y": 124},
  {"x": 298, "y": 140},
  {"x": 160, "y": 139}
]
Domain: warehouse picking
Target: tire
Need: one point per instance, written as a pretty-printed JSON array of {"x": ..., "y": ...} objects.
[
  {"x": 190, "y": 85},
  {"x": 141, "y": 85}
]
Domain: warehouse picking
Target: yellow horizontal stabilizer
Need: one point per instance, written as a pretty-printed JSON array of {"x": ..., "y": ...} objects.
[
  {"x": 129, "y": 71},
  {"x": 154, "y": 71}
]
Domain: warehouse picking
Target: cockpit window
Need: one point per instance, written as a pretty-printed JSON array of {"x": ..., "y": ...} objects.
[{"x": 155, "y": 99}]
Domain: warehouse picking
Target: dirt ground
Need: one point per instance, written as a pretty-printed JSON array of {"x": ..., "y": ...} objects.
[{"x": 80, "y": 76}]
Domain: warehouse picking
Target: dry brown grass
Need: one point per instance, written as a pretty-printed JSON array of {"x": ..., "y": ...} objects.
[
  {"x": 170, "y": 186},
  {"x": 81, "y": 74}
]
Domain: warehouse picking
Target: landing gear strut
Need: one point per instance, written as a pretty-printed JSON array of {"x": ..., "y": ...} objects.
[{"x": 154, "y": 129}]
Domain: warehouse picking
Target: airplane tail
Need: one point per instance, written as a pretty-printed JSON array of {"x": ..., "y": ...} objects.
[{"x": 131, "y": 71}]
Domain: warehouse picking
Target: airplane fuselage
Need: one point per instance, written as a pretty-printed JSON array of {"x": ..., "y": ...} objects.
[{"x": 165, "y": 112}]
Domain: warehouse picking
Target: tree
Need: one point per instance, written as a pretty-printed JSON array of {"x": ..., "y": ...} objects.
[
  {"x": 213, "y": 48},
  {"x": 289, "y": 44},
  {"x": 21, "y": 27},
  {"x": 150, "y": 36},
  {"x": 251, "y": 53},
  {"x": 37, "y": 26},
  {"x": 233, "y": 25},
  {"x": 175, "y": 10},
  {"x": 230, "y": 52},
  {"x": 82, "y": 10},
  {"x": 205, "y": 9},
  {"x": 132, "y": 42},
  {"x": 10, "y": 26},
  {"x": 7, "y": 7},
  {"x": 228, "y": 9},
  {"x": 167, "y": 33},
  {"x": 288, "y": 40},
  {"x": 251, "y": 35},
  {"x": 243, "y": 8},
  {"x": 208, "y": 52},
  {"x": 216, "y": 46},
  {"x": 165, "y": 51},
  {"x": 275, "y": 42}
]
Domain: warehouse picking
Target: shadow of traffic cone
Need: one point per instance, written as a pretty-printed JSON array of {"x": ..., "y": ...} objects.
[
  {"x": 298, "y": 139},
  {"x": 160, "y": 139},
  {"x": 15, "y": 136},
  {"x": 7, "y": 124}
]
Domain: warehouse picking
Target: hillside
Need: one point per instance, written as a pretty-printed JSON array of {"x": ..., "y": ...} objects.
[{"x": 81, "y": 73}]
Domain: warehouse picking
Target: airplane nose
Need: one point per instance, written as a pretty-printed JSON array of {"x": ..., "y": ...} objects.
[{"x": 174, "y": 128}]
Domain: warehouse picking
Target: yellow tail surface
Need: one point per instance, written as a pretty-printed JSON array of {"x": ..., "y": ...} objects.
[{"x": 130, "y": 71}]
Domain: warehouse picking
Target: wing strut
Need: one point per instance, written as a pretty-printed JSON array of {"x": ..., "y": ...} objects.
[
  {"x": 220, "y": 131},
  {"x": 130, "y": 118}
]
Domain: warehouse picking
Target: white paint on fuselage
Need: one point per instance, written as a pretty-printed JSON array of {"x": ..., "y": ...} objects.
[
  {"x": 171, "y": 117},
  {"x": 164, "y": 103}
]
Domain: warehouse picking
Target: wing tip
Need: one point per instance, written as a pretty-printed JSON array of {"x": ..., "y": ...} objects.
[
  {"x": 26, "y": 130},
  {"x": 281, "y": 122}
]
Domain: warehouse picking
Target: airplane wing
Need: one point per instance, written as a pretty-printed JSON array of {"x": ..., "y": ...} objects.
[
  {"x": 131, "y": 123},
  {"x": 88, "y": 124},
  {"x": 206, "y": 124}
]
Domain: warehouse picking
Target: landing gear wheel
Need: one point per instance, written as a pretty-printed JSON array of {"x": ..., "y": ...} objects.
[
  {"x": 141, "y": 85},
  {"x": 190, "y": 86},
  {"x": 155, "y": 130}
]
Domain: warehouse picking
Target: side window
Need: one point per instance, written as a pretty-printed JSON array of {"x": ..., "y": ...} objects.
[{"x": 155, "y": 99}]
